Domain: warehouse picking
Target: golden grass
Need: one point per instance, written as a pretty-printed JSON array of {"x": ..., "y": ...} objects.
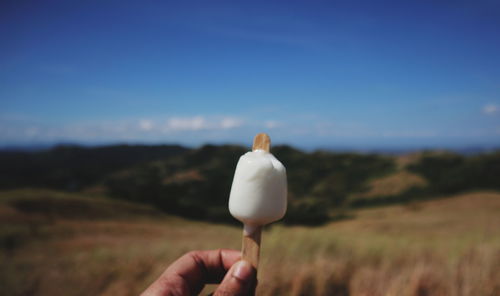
[
  {"x": 392, "y": 185},
  {"x": 442, "y": 247},
  {"x": 403, "y": 161}
]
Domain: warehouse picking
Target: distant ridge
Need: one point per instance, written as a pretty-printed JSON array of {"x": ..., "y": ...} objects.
[{"x": 466, "y": 150}]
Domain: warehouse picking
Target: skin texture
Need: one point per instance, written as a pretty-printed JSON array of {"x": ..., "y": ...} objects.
[{"x": 189, "y": 274}]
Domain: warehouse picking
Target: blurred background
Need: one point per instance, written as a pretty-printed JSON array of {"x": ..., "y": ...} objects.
[{"x": 121, "y": 123}]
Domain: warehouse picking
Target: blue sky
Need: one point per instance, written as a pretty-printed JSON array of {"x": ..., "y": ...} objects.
[{"x": 359, "y": 74}]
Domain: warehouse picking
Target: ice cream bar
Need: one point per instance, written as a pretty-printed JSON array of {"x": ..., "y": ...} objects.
[
  {"x": 259, "y": 191},
  {"x": 258, "y": 195}
]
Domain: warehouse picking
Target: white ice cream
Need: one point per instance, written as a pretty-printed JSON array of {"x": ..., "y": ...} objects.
[{"x": 259, "y": 191}]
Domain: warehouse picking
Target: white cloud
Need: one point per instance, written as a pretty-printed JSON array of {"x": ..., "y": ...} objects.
[
  {"x": 491, "y": 109},
  {"x": 270, "y": 124},
  {"x": 226, "y": 129},
  {"x": 196, "y": 127},
  {"x": 230, "y": 122},
  {"x": 198, "y": 123},
  {"x": 186, "y": 124},
  {"x": 31, "y": 131},
  {"x": 146, "y": 124}
]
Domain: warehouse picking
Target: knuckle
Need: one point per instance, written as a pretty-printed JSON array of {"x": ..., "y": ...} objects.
[
  {"x": 226, "y": 292},
  {"x": 193, "y": 254}
]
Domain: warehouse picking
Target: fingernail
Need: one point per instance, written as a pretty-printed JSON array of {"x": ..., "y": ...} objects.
[{"x": 243, "y": 270}]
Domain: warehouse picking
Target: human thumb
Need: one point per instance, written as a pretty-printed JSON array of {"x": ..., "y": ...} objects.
[{"x": 239, "y": 280}]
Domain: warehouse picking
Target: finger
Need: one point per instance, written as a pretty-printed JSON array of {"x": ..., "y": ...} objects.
[
  {"x": 189, "y": 274},
  {"x": 205, "y": 266},
  {"x": 239, "y": 280}
]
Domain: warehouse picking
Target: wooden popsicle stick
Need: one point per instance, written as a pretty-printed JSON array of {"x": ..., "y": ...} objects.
[
  {"x": 251, "y": 246},
  {"x": 251, "y": 239},
  {"x": 261, "y": 142}
]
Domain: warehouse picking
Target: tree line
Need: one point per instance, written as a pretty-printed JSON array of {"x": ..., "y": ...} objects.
[{"x": 195, "y": 183}]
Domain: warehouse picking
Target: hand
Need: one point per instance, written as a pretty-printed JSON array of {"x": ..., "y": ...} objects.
[{"x": 189, "y": 274}]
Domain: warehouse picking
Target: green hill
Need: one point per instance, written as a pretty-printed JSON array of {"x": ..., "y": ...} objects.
[{"x": 195, "y": 183}]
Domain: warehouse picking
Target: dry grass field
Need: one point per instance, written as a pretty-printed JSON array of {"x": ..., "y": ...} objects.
[
  {"x": 449, "y": 246},
  {"x": 392, "y": 185}
]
